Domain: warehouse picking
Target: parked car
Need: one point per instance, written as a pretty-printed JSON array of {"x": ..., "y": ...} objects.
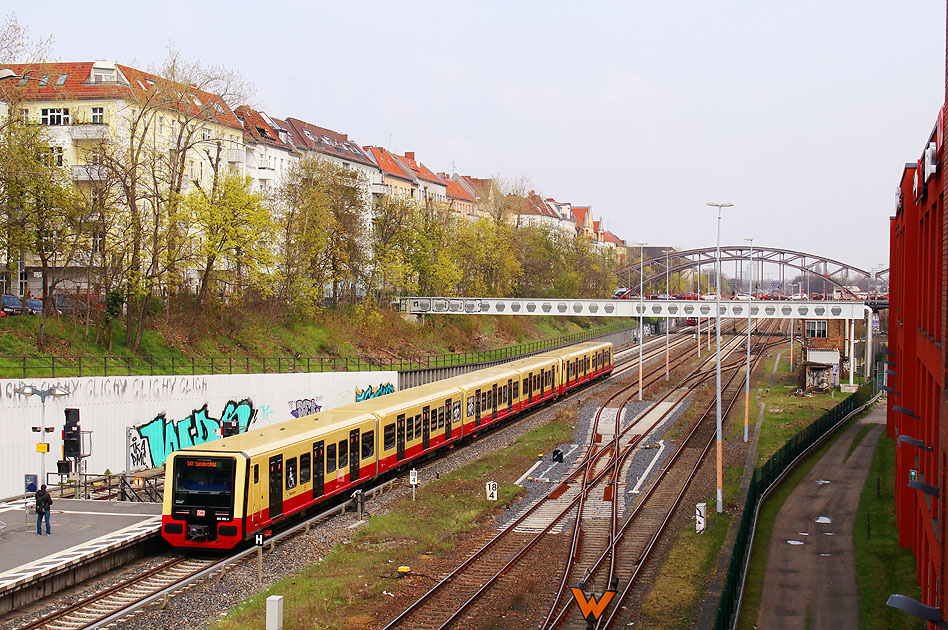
[
  {"x": 709, "y": 296},
  {"x": 33, "y": 306},
  {"x": 743, "y": 296},
  {"x": 11, "y": 305},
  {"x": 798, "y": 296}
]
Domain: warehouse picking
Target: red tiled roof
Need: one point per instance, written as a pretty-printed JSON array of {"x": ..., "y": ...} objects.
[
  {"x": 609, "y": 237},
  {"x": 390, "y": 164},
  {"x": 579, "y": 213},
  {"x": 76, "y": 85},
  {"x": 420, "y": 170},
  {"x": 456, "y": 190},
  {"x": 327, "y": 141},
  {"x": 536, "y": 205},
  {"x": 258, "y": 128}
]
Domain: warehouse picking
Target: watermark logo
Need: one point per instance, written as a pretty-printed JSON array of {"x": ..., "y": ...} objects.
[{"x": 592, "y": 608}]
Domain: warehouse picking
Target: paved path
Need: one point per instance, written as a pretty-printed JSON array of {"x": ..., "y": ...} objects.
[{"x": 811, "y": 573}]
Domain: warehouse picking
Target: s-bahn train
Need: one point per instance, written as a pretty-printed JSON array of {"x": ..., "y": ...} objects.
[
  {"x": 693, "y": 321},
  {"x": 220, "y": 493}
]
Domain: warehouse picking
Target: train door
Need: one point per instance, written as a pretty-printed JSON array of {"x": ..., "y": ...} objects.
[
  {"x": 509, "y": 395},
  {"x": 400, "y": 440},
  {"x": 477, "y": 408},
  {"x": 276, "y": 486},
  {"x": 355, "y": 456},
  {"x": 529, "y": 383},
  {"x": 447, "y": 419},
  {"x": 319, "y": 469},
  {"x": 425, "y": 427},
  {"x": 493, "y": 406}
]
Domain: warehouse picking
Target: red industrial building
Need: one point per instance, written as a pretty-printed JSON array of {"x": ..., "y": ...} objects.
[{"x": 917, "y": 410}]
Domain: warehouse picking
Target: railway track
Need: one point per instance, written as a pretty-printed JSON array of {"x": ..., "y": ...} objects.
[
  {"x": 102, "y": 605},
  {"x": 613, "y": 553},
  {"x": 453, "y": 601}
]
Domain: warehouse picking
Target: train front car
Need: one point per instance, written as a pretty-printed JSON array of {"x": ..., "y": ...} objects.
[{"x": 204, "y": 496}]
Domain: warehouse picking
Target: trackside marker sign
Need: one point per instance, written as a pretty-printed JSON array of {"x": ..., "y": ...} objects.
[{"x": 592, "y": 608}]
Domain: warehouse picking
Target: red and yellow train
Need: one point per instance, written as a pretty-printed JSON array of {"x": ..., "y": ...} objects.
[{"x": 220, "y": 493}]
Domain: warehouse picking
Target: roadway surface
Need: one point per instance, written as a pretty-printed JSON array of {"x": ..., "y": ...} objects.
[{"x": 810, "y": 580}]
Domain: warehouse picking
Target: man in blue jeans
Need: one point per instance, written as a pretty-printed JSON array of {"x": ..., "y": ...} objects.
[{"x": 43, "y": 504}]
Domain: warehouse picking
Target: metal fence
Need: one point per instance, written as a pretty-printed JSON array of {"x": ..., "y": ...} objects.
[
  {"x": 42, "y": 367},
  {"x": 763, "y": 479}
]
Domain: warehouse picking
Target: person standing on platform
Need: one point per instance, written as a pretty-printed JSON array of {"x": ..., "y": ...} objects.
[{"x": 43, "y": 503}]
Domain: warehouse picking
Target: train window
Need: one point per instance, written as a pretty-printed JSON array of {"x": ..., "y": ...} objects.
[
  {"x": 305, "y": 467},
  {"x": 343, "y": 453},
  {"x": 525, "y": 383},
  {"x": 418, "y": 424},
  {"x": 256, "y": 473},
  {"x": 484, "y": 400},
  {"x": 291, "y": 473},
  {"x": 331, "y": 457},
  {"x": 389, "y": 434},
  {"x": 368, "y": 444},
  {"x": 516, "y": 389},
  {"x": 441, "y": 417},
  {"x": 410, "y": 430}
]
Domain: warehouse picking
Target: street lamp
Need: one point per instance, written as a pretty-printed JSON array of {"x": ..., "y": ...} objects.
[
  {"x": 717, "y": 354},
  {"x": 750, "y": 296},
  {"x": 641, "y": 308},
  {"x": 55, "y": 391},
  {"x": 667, "y": 293}
]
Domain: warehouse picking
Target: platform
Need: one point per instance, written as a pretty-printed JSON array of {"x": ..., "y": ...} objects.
[{"x": 88, "y": 537}]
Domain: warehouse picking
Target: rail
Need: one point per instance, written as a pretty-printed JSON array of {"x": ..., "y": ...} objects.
[
  {"x": 52, "y": 367},
  {"x": 765, "y": 478}
]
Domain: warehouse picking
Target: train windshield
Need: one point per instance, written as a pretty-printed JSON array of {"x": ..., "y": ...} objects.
[{"x": 204, "y": 481}]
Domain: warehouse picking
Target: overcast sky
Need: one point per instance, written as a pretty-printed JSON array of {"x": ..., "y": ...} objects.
[{"x": 800, "y": 113}]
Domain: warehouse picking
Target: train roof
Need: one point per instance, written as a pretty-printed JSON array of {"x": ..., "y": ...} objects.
[
  {"x": 383, "y": 405},
  {"x": 257, "y": 440},
  {"x": 578, "y": 349}
]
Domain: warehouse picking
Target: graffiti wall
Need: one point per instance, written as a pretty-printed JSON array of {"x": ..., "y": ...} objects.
[{"x": 159, "y": 414}]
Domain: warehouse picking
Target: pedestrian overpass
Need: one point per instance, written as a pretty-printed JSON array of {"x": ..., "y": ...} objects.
[{"x": 850, "y": 310}]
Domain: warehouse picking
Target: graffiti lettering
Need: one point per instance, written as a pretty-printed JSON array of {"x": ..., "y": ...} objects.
[
  {"x": 304, "y": 407},
  {"x": 371, "y": 392},
  {"x": 153, "y": 442}
]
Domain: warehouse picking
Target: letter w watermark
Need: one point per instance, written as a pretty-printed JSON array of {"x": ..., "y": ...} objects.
[{"x": 592, "y": 608}]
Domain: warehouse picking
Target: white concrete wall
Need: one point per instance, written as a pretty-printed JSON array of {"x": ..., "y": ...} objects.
[{"x": 167, "y": 412}]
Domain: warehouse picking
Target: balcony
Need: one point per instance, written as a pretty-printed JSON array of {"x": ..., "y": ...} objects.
[
  {"x": 236, "y": 156},
  {"x": 88, "y": 173},
  {"x": 89, "y": 132}
]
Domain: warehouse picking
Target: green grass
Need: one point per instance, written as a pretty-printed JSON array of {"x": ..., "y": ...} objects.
[
  {"x": 373, "y": 339},
  {"x": 882, "y": 567},
  {"x": 341, "y": 590},
  {"x": 786, "y": 414},
  {"x": 856, "y": 440},
  {"x": 767, "y": 516}
]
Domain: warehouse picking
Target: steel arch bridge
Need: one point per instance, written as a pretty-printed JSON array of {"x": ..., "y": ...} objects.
[{"x": 833, "y": 271}]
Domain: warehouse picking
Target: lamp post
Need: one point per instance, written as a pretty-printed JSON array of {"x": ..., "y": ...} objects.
[
  {"x": 717, "y": 355},
  {"x": 667, "y": 294},
  {"x": 698, "y": 313},
  {"x": 750, "y": 296},
  {"x": 56, "y": 391},
  {"x": 641, "y": 309}
]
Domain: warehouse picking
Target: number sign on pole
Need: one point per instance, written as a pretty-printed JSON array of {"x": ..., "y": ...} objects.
[{"x": 491, "y": 490}]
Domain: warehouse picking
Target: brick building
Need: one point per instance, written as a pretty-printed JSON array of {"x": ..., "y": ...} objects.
[{"x": 917, "y": 414}]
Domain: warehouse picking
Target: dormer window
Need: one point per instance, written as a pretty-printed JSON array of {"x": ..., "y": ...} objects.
[{"x": 103, "y": 76}]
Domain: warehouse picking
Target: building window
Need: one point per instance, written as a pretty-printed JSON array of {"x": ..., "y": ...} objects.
[
  {"x": 61, "y": 81},
  {"x": 98, "y": 115},
  {"x": 205, "y": 133},
  {"x": 25, "y": 115},
  {"x": 161, "y": 125},
  {"x": 55, "y": 156},
  {"x": 191, "y": 168},
  {"x": 816, "y": 329},
  {"x": 44, "y": 80},
  {"x": 55, "y": 116}
]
